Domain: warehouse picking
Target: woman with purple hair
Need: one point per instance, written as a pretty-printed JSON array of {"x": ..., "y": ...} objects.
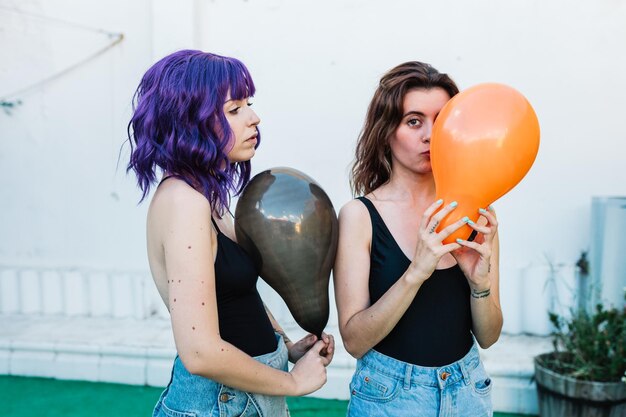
[{"x": 193, "y": 123}]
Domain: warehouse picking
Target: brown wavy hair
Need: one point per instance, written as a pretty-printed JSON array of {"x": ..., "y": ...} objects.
[{"x": 372, "y": 165}]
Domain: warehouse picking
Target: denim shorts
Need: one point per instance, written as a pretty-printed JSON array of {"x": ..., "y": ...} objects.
[
  {"x": 384, "y": 386},
  {"x": 190, "y": 395}
]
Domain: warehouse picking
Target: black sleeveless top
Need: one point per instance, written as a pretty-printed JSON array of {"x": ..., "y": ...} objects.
[
  {"x": 242, "y": 317},
  {"x": 436, "y": 328}
]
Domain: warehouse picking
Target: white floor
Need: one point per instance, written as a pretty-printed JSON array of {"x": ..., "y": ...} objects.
[{"x": 132, "y": 351}]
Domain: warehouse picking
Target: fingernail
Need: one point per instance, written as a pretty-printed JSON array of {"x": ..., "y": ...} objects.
[
  {"x": 454, "y": 204},
  {"x": 482, "y": 211},
  {"x": 439, "y": 201},
  {"x": 459, "y": 240},
  {"x": 491, "y": 207},
  {"x": 466, "y": 219},
  {"x": 469, "y": 221}
]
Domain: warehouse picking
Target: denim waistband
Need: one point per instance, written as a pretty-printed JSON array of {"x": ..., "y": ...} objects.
[
  {"x": 422, "y": 375},
  {"x": 193, "y": 392}
]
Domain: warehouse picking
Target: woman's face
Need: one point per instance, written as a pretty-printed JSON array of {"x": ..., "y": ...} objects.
[
  {"x": 410, "y": 143},
  {"x": 243, "y": 122}
]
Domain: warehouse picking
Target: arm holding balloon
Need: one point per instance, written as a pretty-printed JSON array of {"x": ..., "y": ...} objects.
[
  {"x": 301, "y": 347},
  {"x": 363, "y": 325},
  {"x": 188, "y": 241},
  {"x": 479, "y": 262}
]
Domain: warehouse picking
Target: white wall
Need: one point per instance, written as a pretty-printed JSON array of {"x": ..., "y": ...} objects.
[
  {"x": 316, "y": 65},
  {"x": 63, "y": 202}
]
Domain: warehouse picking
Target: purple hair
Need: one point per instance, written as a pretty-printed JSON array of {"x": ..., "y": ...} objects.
[{"x": 179, "y": 126}]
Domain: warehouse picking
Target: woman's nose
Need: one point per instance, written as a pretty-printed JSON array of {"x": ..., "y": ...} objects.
[
  {"x": 427, "y": 131},
  {"x": 254, "y": 119}
]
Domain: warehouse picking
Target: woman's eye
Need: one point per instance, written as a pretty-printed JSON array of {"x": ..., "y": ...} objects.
[
  {"x": 234, "y": 111},
  {"x": 414, "y": 122},
  {"x": 250, "y": 104}
]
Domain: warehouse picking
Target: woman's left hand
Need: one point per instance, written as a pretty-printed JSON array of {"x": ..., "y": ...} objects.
[
  {"x": 474, "y": 258},
  {"x": 302, "y": 346}
]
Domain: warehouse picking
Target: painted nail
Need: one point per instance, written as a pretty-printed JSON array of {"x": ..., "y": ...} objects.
[
  {"x": 491, "y": 207},
  {"x": 470, "y": 222},
  {"x": 454, "y": 204},
  {"x": 482, "y": 211},
  {"x": 466, "y": 219},
  {"x": 439, "y": 201},
  {"x": 459, "y": 240}
]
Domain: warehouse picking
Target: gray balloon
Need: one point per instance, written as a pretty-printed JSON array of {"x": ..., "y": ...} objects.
[{"x": 287, "y": 223}]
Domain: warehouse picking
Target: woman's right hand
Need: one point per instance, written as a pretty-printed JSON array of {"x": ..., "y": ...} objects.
[
  {"x": 309, "y": 373},
  {"x": 430, "y": 248}
]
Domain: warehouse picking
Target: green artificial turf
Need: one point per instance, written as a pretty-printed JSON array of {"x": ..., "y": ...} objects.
[{"x": 42, "y": 397}]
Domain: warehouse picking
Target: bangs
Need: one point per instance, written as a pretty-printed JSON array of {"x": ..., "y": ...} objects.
[{"x": 240, "y": 82}]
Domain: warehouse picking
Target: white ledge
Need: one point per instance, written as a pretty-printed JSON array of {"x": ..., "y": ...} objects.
[{"x": 133, "y": 351}]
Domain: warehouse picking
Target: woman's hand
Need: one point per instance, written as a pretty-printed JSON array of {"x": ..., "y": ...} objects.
[
  {"x": 309, "y": 373},
  {"x": 329, "y": 350},
  {"x": 474, "y": 258},
  {"x": 430, "y": 248},
  {"x": 302, "y": 346}
]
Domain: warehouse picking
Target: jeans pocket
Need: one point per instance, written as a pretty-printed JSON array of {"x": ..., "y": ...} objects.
[
  {"x": 169, "y": 412},
  {"x": 481, "y": 382},
  {"x": 370, "y": 385},
  {"x": 236, "y": 403}
]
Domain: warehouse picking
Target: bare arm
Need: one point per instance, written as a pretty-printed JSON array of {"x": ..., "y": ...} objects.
[
  {"x": 188, "y": 249},
  {"x": 486, "y": 311},
  {"x": 363, "y": 325},
  {"x": 479, "y": 261}
]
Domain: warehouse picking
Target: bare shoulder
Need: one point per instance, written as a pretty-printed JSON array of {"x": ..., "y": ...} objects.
[
  {"x": 353, "y": 210},
  {"x": 176, "y": 197},
  {"x": 176, "y": 206},
  {"x": 178, "y": 193},
  {"x": 355, "y": 223}
]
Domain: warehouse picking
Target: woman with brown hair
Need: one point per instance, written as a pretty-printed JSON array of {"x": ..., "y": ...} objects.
[{"x": 412, "y": 308}]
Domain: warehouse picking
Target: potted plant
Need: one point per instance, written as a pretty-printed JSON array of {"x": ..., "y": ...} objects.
[{"x": 585, "y": 375}]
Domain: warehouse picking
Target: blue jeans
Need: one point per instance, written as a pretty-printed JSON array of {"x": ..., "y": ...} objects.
[
  {"x": 384, "y": 386},
  {"x": 190, "y": 395}
]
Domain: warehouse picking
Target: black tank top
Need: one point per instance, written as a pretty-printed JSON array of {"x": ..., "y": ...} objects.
[
  {"x": 436, "y": 328},
  {"x": 242, "y": 317}
]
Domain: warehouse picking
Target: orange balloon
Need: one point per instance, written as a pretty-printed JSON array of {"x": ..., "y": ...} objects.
[{"x": 483, "y": 143}]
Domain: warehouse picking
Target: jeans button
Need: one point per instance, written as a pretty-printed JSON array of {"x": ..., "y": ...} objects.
[
  {"x": 224, "y": 397},
  {"x": 444, "y": 375}
]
